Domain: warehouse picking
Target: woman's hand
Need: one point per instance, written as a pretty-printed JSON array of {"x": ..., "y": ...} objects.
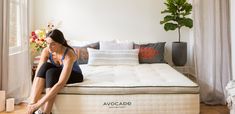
[{"x": 32, "y": 108}]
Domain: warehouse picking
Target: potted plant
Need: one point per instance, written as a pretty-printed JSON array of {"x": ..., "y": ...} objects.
[{"x": 176, "y": 11}]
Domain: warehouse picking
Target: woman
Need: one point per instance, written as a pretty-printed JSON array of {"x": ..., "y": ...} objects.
[{"x": 54, "y": 75}]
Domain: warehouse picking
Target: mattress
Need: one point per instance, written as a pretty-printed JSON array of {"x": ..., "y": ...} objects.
[
  {"x": 137, "y": 79},
  {"x": 139, "y": 89}
]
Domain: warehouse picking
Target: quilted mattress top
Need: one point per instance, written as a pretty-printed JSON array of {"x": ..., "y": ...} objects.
[{"x": 137, "y": 79}]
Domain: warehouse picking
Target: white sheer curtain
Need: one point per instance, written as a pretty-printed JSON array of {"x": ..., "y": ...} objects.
[
  {"x": 212, "y": 49},
  {"x": 15, "y": 60}
]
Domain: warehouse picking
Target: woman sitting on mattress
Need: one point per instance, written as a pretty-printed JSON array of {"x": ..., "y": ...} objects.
[{"x": 54, "y": 75}]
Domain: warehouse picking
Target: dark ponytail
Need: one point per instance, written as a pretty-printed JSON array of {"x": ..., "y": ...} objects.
[{"x": 58, "y": 37}]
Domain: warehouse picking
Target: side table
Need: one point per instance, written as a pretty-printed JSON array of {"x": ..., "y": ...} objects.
[
  {"x": 34, "y": 66},
  {"x": 182, "y": 69},
  {"x": 186, "y": 71}
]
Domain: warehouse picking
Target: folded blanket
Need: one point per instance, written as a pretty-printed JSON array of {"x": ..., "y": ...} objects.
[
  {"x": 230, "y": 85},
  {"x": 231, "y": 93}
]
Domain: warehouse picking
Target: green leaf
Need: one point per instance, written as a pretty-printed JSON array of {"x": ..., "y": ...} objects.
[
  {"x": 172, "y": 8},
  {"x": 189, "y": 8},
  {"x": 167, "y": 19},
  {"x": 177, "y": 2},
  {"x": 182, "y": 2},
  {"x": 186, "y": 22},
  {"x": 189, "y": 22},
  {"x": 165, "y": 11},
  {"x": 170, "y": 26},
  {"x": 170, "y": 1}
]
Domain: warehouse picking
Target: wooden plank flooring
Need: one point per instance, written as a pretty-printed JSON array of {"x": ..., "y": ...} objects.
[
  {"x": 205, "y": 109},
  {"x": 219, "y": 109}
]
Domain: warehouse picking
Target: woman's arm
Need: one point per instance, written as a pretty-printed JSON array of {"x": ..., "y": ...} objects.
[
  {"x": 43, "y": 58},
  {"x": 64, "y": 76}
]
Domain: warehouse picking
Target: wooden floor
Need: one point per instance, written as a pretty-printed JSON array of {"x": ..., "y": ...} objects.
[
  {"x": 205, "y": 109},
  {"x": 20, "y": 109}
]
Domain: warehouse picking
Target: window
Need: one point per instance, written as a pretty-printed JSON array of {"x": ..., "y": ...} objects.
[{"x": 15, "y": 40}]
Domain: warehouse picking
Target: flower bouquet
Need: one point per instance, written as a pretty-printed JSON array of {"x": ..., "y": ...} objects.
[{"x": 37, "y": 40}]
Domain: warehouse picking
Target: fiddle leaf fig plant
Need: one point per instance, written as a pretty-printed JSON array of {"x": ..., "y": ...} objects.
[{"x": 177, "y": 12}]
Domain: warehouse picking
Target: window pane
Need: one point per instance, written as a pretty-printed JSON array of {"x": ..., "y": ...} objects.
[{"x": 14, "y": 30}]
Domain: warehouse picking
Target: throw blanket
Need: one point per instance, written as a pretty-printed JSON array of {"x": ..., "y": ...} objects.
[{"x": 231, "y": 93}]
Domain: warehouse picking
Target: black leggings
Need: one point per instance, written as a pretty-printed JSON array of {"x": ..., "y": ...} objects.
[{"x": 51, "y": 74}]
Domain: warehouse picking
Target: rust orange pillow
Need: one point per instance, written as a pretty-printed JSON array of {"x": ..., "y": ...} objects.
[{"x": 151, "y": 52}]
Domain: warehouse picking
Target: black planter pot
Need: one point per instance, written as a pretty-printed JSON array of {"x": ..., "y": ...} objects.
[{"x": 179, "y": 53}]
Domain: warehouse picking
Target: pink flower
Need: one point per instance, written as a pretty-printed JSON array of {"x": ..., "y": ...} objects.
[
  {"x": 33, "y": 33},
  {"x": 32, "y": 40}
]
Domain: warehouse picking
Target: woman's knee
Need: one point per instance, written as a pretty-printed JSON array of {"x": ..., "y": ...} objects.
[
  {"x": 43, "y": 69},
  {"x": 47, "y": 65},
  {"x": 52, "y": 77}
]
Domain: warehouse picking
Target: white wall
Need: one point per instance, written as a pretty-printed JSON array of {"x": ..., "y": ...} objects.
[
  {"x": 135, "y": 20},
  {"x": 232, "y": 8}
]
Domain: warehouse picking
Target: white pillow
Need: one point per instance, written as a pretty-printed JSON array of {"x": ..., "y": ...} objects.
[
  {"x": 116, "y": 45},
  {"x": 75, "y": 43},
  {"x": 107, "y": 45},
  {"x": 113, "y": 57}
]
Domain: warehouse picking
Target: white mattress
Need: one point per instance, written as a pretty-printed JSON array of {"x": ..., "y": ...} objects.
[{"x": 138, "y": 79}]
